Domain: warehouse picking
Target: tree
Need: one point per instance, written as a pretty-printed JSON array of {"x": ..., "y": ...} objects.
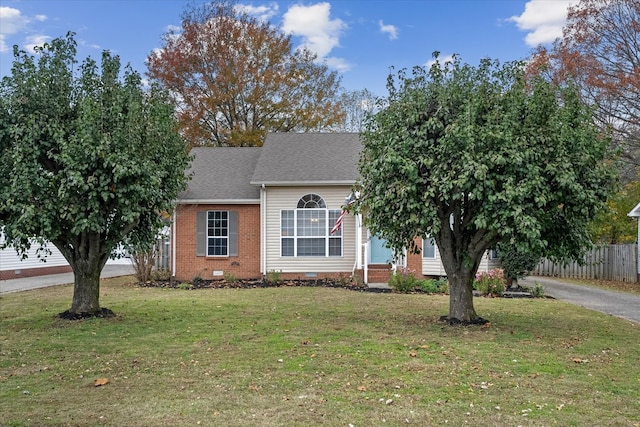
[
  {"x": 474, "y": 156},
  {"x": 515, "y": 262},
  {"x": 234, "y": 78},
  {"x": 355, "y": 105},
  {"x": 599, "y": 51},
  {"x": 87, "y": 160},
  {"x": 612, "y": 225}
]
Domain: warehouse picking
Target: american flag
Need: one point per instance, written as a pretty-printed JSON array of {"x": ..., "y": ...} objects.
[{"x": 338, "y": 224}]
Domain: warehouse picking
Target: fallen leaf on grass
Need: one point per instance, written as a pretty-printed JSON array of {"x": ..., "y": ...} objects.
[{"x": 100, "y": 381}]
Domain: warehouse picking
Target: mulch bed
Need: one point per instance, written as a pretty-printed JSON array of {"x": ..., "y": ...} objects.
[{"x": 251, "y": 284}]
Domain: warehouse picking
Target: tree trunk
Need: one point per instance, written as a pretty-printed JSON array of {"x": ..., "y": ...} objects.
[
  {"x": 461, "y": 308},
  {"x": 87, "y": 259},
  {"x": 86, "y": 288}
]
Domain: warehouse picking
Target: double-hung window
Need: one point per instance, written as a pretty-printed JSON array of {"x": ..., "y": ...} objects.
[
  {"x": 428, "y": 248},
  {"x": 306, "y": 230},
  {"x": 217, "y": 233}
]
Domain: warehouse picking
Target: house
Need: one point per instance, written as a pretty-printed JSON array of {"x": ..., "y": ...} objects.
[
  {"x": 635, "y": 213},
  {"x": 13, "y": 266},
  {"x": 254, "y": 210}
]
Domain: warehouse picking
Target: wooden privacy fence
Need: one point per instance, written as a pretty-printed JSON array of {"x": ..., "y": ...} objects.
[{"x": 613, "y": 262}]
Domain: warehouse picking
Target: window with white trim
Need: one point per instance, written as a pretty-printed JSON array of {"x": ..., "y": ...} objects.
[
  {"x": 428, "y": 248},
  {"x": 306, "y": 230},
  {"x": 218, "y": 233}
]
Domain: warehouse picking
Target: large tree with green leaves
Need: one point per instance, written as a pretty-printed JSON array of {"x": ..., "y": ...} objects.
[
  {"x": 89, "y": 158},
  {"x": 473, "y": 156},
  {"x": 234, "y": 78}
]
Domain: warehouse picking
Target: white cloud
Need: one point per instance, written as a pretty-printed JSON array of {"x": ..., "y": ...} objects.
[
  {"x": 391, "y": 30},
  {"x": 12, "y": 21},
  {"x": 338, "y": 64},
  {"x": 543, "y": 20},
  {"x": 441, "y": 59},
  {"x": 263, "y": 13},
  {"x": 32, "y": 41},
  {"x": 319, "y": 33}
]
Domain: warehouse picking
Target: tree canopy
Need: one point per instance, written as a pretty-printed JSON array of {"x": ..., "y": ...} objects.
[
  {"x": 88, "y": 159},
  {"x": 234, "y": 78},
  {"x": 599, "y": 51},
  {"x": 473, "y": 156}
]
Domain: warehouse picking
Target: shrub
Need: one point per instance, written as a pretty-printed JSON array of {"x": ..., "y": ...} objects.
[
  {"x": 537, "y": 291},
  {"x": 490, "y": 282},
  {"x": 404, "y": 281},
  {"x": 273, "y": 276},
  {"x": 229, "y": 277},
  {"x": 434, "y": 286}
]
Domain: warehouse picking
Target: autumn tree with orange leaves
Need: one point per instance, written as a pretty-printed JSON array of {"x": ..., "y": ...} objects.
[
  {"x": 600, "y": 51},
  {"x": 234, "y": 78}
]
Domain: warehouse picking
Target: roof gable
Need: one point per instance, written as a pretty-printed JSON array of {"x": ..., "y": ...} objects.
[
  {"x": 308, "y": 158},
  {"x": 635, "y": 212},
  {"x": 221, "y": 174}
]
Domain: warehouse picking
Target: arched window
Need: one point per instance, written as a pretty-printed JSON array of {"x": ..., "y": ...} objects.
[
  {"x": 306, "y": 230},
  {"x": 311, "y": 201}
]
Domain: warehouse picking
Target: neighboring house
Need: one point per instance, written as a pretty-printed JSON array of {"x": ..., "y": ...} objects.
[
  {"x": 13, "y": 266},
  {"x": 635, "y": 213},
  {"x": 251, "y": 211}
]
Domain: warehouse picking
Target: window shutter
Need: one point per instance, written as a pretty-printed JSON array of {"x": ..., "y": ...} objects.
[
  {"x": 233, "y": 233},
  {"x": 201, "y": 233}
]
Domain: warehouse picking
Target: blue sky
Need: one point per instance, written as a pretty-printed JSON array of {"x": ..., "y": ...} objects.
[{"x": 358, "y": 38}]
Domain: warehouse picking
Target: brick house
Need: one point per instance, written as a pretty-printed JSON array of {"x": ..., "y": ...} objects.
[{"x": 253, "y": 210}]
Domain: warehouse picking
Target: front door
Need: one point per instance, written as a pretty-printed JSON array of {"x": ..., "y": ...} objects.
[{"x": 378, "y": 253}]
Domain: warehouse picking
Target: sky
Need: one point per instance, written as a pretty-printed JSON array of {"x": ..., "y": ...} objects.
[{"x": 360, "y": 39}]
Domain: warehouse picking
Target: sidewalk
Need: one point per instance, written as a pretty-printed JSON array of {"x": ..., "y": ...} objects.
[
  {"x": 620, "y": 304},
  {"x": 27, "y": 283}
]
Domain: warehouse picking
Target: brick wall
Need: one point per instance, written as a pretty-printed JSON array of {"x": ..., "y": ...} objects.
[
  {"x": 245, "y": 266},
  {"x": 414, "y": 261}
]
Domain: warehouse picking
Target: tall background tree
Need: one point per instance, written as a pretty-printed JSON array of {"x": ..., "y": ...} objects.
[
  {"x": 599, "y": 51},
  {"x": 474, "y": 156},
  {"x": 88, "y": 159},
  {"x": 234, "y": 78},
  {"x": 356, "y": 105}
]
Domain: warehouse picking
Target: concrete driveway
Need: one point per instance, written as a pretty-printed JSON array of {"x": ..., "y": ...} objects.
[{"x": 620, "y": 304}]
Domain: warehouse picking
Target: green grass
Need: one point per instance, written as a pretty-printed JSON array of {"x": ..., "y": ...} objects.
[{"x": 311, "y": 356}]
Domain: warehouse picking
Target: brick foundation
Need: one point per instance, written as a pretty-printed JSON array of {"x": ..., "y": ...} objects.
[{"x": 33, "y": 272}]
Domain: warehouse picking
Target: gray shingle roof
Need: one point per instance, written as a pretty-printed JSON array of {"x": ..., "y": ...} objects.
[
  {"x": 222, "y": 174},
  {"x": 308, "y": 158}
]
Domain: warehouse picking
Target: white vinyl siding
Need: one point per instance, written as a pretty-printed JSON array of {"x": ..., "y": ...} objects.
[
  {"x": 10, "y": 260},
  {"x": 280, "y": 199},
  {"x": 432, "y": 262}
]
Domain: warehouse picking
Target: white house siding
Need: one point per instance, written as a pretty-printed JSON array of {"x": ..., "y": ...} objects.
[
  {"x": 279, "y": 198},
  {"x": 13, "y": 266},
  {"x": 487, "y": 263},
  {"x": 9, "y": 260},
  {"x": 434, "y": 267}
]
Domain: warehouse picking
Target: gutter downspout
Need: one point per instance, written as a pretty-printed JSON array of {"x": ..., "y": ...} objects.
[
  {"x": 358, "y": 263},
  {"x": 263, "y": 230},
  {"x": 173, "y": 243}
]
